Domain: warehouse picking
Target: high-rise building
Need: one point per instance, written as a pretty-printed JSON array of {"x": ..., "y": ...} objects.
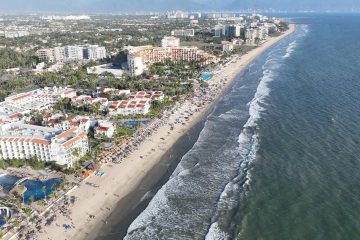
[
  {"x": 46, "y": 55},
  {"x": 170, "y": 41},
  {"x": 177, "y": 14},
  {"x": 233, "y": 30},
  {"x": 229, "y": 30},
  {"x": 183, "y": 32},
  {"x": 94, "y": 52},
  {"x": 59, "y": 54},
  {"x": 73, "y": 53},
  {"x": 219, "y": 31}
]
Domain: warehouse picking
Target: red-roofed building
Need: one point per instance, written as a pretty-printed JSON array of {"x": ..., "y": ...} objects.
[
  {"x": 105, "y": 128},
  {"x": 24, "y": 141}
]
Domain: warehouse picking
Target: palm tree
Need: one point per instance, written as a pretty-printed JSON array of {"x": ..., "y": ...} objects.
[
  {"x": 44, "y": 191},
  {"x": 2, "y": 161},
  {"x": 22, "y": 188},
  {"x": 32, "y": 199},
  {"x": 6, "y": 218},
  {"x": 53, "y": 195}
]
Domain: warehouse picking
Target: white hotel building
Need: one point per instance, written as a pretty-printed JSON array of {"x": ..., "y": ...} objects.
[
  {"x": 170, "y": 42},
  {"x": 39, "y": 99},
  {"x": 23, "y": 141},
  {"x": 183, "y": 32},
  {"x": 141, "y": 58}
]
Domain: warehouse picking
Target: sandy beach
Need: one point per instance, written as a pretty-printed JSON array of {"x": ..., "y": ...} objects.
[{"x": 98, "y": 196}]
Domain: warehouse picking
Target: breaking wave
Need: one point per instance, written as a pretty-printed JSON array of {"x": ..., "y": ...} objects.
[{"x": 216, "y": 171}]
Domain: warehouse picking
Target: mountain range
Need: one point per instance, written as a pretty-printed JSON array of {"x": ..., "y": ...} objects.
[{"x": 77, "y": 6}]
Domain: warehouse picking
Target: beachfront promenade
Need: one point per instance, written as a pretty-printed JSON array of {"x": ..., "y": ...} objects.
[{"x": 94, "y": 199}]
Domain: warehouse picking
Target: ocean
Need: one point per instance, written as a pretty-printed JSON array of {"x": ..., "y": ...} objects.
[{"x": 279, "y": 156}]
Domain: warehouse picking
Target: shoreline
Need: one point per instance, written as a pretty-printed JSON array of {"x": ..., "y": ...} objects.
[
  {"x": 135, "y": 202},
  {"x": 125, "y": 178}
]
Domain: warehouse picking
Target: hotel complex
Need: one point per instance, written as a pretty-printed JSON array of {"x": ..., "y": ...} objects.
[
  {"x": 141, "y": 58},
  {"x": 24, "y": 141},
  {"x": 39, "y": 99}
]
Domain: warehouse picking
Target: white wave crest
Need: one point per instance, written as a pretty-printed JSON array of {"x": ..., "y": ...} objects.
[
  {"x": 153, "y": 209},
  {"x": 290, "y": 49},
  {"x": 248, "y": 146},
  {"x": 215, "y": 233}
]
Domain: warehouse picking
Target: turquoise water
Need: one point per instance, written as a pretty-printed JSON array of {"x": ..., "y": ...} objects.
[
  {"x": 135, "y": 123},
  {"x": 206, "y": 76}
]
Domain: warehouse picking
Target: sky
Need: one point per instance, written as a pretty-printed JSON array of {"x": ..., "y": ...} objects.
[{"x": 163, "y": 5}]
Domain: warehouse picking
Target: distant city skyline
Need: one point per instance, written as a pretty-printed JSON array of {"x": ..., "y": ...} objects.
[{"x": 111, "y": 6}]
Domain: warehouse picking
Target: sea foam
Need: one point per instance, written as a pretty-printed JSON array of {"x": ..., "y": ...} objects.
[{"x": 180, "y": 208}]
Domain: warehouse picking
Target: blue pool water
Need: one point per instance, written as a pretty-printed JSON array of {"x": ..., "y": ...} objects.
[
  {"x": 7, "y": 182},
  {"x": 3, "y": 213},
  {"x": 34, "y": 188},
  {"x": 134, "y": 123},
  {"x": 206, "y": 76}
]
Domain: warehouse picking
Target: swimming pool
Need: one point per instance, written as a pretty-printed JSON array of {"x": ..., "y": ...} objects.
[
  {"x": 4, "y": 211},
  {"x": 34, "y": 188},
  {"x": 206, "y": 76},
  {"x": 136, "y": 123}
]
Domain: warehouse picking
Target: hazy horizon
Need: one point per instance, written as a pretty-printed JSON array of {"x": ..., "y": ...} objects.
[{"x": 111, "y": 6}]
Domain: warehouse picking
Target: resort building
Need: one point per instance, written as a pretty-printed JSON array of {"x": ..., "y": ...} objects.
[
  {"x": 23, "y": 141},
  {"x": 256, "y": 35},
  {"x": 141, "y": 58},
  {"x": 130, "y": 107},
  {"x": 157, "y": 96},
  {"x": 117, "y": 92},
  {"x": 82, "y": 122},
  {"x": 105, "y": 128},
  {"x": 39, "y": 99},
  {"x": 135, "y": 103}
]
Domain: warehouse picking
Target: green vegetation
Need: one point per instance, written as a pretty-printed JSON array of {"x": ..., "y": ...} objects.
[
  {"x": 283, "y": 26},
  {"x": 41, "y": 202},
  {"x": 32, "y": 199},
  {"x": 16, "y": 223},
  {"x": 12, "y": 59},
  {"x": 158, "y": 107},
  {"x": 6, "y": 218},
  {"x": 75, "y": 152},
  {"x": 176, "y": 71},
  {"x": 27, "y": 211},
  {"x": 53, "y": 194},
  {"x": 18, "y": 163},
  {"x": 122, "y": 131}
]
